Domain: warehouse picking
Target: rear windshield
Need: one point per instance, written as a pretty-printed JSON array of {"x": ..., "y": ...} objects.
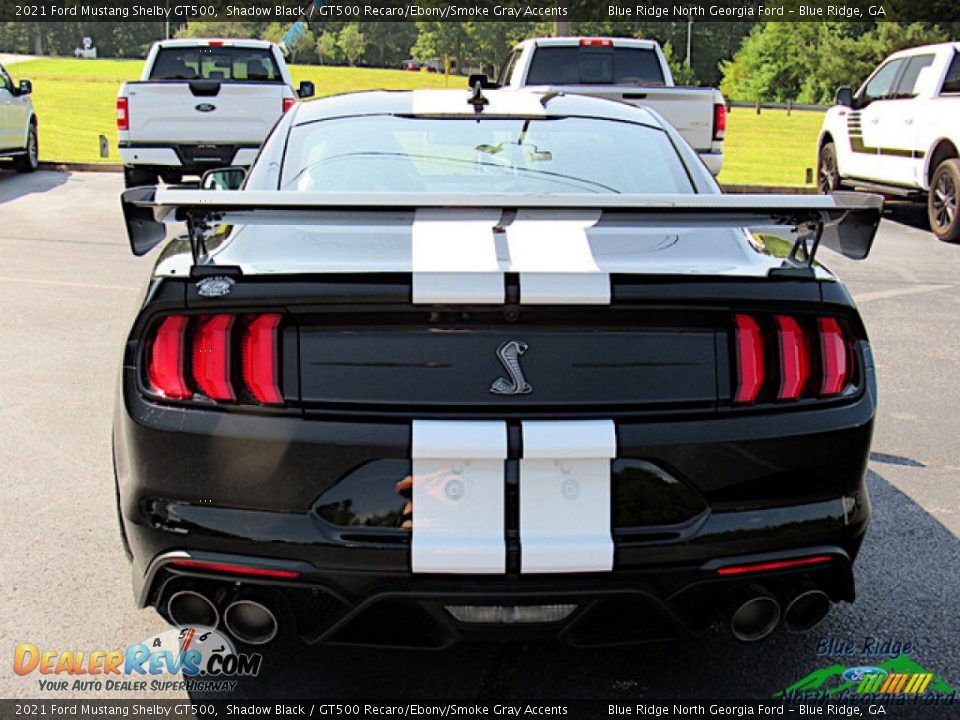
[
  {"x": 388, "y": 153},
  {"x": 216, "y": 63},
  {"x": 577, "y": 65}
]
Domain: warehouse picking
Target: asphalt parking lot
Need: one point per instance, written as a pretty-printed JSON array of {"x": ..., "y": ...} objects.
[{"x": 68, "y": 287}]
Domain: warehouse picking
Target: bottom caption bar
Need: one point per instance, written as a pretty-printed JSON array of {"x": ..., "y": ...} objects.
[{"x": 817, "y": 707}]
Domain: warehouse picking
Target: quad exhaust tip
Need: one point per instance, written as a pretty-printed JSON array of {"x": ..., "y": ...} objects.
[
  {"x": 251, "y": 622},
  {"x": 754, "y": 618},
  {"x": 806, "y": 611},
  {"x": 189, "y": 607}
]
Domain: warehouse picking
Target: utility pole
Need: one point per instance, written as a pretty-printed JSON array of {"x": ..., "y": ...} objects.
[
  {"x": 689, "y": 36},
  {"x": 561, "y": 27}
]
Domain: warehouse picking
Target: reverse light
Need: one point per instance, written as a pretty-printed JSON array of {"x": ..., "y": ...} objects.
[
  {"x": 288, "y": 103},
  {"x": 750, "y": 366},
  {"x": 833, "y": 356},
  {"x": 260, "y": 364},
  {"x": 719, "y": 121},
  {"x": 794, "y": 358},
  {"x": 211, "y": 357},
  {"x": 123, "y": 115},
  {"x": 777, "y": 565},
  {"x": 596, "y": 42},
  {"x": 236, "y": 569},
  {"x": 165, "y": 359}
]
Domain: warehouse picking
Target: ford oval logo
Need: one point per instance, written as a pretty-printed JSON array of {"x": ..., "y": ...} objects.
[
  {"x": 856, "y": 674},
  {"x": 206, "y": 107}
]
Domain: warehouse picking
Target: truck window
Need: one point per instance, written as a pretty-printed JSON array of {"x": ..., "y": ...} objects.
[
  {"x": 574, "y": 65},
  {"x": 216, "y": 63},
  {"x": 6, "y": 83},
  {"x": 880, "y": 85},
  {"x": 908, "y": 81},
  {"x": 951, "y": 83}
]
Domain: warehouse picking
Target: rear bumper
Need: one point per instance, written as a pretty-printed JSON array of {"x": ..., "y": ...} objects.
[
  {"x": 209, "y": 484},
  {"x": 713, "y": 161},
  {"x": 186, "y": 157}
]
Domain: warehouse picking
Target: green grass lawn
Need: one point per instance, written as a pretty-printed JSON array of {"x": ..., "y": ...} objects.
[
  {"x": 75, "y": 101},
  {"x": 771, "y": 148}
]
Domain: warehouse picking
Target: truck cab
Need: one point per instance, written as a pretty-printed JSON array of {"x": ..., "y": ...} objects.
[
  {"x": 18, "y": 123},
  {"x": 899, "y": 134}
]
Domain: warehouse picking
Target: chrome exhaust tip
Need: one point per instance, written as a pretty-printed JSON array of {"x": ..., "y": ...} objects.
[
  {"x": 755, "y": 617},
  {"x": 189, "y": 607},
  {"x": 251, "y": 622},
  {"x": 806, "y": 611}
]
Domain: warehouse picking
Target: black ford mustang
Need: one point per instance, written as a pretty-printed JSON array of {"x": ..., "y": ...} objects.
[{"x": 452, "y": 364}]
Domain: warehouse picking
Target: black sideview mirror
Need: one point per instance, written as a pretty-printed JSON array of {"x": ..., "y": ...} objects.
[
  {"x": 306, "y": 90},
  {"x": 485, "y": 82},
  {"x": 225, "y": 178},
  {"x": 26, "y": 87},
  {"x": 844, "y": 96}
]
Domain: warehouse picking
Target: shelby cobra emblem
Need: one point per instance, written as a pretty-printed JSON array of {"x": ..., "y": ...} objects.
[{"x": 509, "y": 354}]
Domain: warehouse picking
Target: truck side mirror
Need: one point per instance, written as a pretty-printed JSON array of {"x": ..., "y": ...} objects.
[
  {"x": 225, "y": 178},
  {"x": 306, "y": 90},
  {"x": 26, "y": 87},
  {"x": 844, "y": 96}
]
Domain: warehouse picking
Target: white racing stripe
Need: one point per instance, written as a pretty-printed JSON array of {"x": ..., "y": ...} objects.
[
  {"x": 565, "y": 496},
  {"x": 454, "y": 257},
  {"x": 552, "y": 253},
  {"x": 458, "y": 497}
]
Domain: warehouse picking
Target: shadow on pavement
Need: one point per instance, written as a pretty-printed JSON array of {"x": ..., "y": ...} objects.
[
  {"x": 913, "y": 214},
  {"x": 14, "y": 185},
  {"x": 906, "y": 580}
]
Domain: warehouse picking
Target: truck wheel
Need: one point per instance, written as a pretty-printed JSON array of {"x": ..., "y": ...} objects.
[
  {"x": 828, "y": 175},
  {"x": 29, "y": 160},
  {"x": 136, "y": 177},
  {"x": 943, "y": 201}
]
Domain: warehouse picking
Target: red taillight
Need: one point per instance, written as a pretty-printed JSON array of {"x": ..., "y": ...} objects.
[
  {"x": 237, "y": 569},
  {"x": 833, "y": 356},
  {"x": 123, "y": 116},
  {"x": 719, "y": 121},
  {"x": 215, "y": 43},
  {"x": 794, "y": 358},
  {"x": 749, "y": 359},
  {"x": 778, "y": 565},
  {"x": 261, "y": 372},
  {"x": 165, "y": 359},
  {"x": 288, "y": 103},
  {"x": 211, "y": 357},
  {"x": 596, "y": 42}
]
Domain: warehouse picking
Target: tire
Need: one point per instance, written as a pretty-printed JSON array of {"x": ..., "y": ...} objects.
[
  {"x": 136, "y": 177},
  {"x": 29, "y": 161},
  {"x": 943, "y": 201},
  {"x": 828, "y": 174}
]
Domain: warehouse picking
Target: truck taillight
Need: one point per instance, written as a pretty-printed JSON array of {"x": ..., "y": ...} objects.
[
  {"x": 288, "y": 103},
  {"x": 794, "y": 345},
  {"x": 123, "y": 116},
  {"x": 192, "y": 358},
  {"x": 596, "y": 42},
  {"x": 719, "y": 121}
]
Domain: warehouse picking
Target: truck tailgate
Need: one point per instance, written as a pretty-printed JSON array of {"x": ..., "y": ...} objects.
[
  {"x": 207, "y": 112},
  {"x": 689, "y": 110}
]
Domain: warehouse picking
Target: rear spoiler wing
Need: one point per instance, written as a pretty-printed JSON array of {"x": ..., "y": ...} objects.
[{"x": 845, "y": 222}]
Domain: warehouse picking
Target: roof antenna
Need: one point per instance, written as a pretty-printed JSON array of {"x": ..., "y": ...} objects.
[{"x": 477, "y": 99}]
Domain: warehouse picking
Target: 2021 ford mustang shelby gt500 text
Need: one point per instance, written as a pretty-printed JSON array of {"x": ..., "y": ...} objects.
[{"x": 453, "y": 364}]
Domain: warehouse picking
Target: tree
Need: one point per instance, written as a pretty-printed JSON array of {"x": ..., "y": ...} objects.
[
  {"x": 328, "y": 49},
  {"x": 220, "y": 29},
  {"x": 352, "y": 42}
]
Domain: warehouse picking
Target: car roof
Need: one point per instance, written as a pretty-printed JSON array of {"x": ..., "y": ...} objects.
[
  {"x": 907, "y": 52},
  {"x": 454, "y": 104}
]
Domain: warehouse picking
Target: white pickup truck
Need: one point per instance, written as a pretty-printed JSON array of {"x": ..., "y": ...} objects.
[
  {"x": 624, "y": 69},
  {"x": 201, "y": 104},
  {"x": 18, "y": 123},
  {"x": 899, "y": 134}
]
